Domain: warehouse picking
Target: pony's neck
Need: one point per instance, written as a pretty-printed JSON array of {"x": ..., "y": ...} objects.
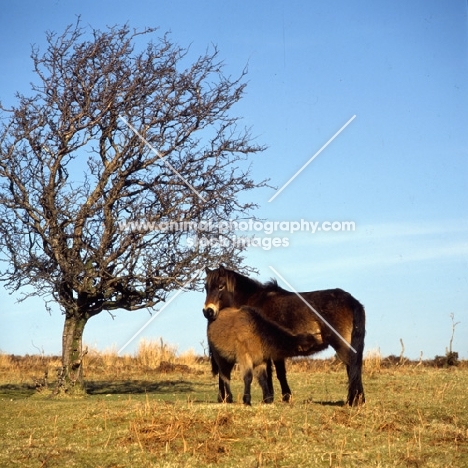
[{"x": 247, "y": 290}]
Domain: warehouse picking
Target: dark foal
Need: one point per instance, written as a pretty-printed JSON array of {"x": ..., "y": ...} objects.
[{"x": 246, "y": 337}]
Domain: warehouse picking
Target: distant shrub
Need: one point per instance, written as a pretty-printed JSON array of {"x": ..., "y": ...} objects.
[{"x": 450, "y": 359}]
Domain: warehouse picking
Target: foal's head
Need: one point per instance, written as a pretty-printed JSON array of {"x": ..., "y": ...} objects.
[{"x": 219, "y": 288}]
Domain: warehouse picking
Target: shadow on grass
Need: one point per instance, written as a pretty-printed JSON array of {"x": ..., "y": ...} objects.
[
  {"x": 113, "y": 387},
  {"x": 331, "y": 403},
  {"x": 15, "y": 391},
  {"x": 325, "y": 403},
  {"x": 109, "y": 387}
]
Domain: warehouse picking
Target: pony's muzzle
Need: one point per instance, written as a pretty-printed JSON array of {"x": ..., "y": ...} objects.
[{"x": 210, "y": 312}]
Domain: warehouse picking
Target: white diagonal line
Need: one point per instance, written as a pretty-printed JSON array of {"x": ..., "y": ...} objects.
[
  {"x": 159, "y": 311},
  {"x": 159, "y": 155},
  {"x": 312, "y": 309},
  {"x": 312, "y": 158}
]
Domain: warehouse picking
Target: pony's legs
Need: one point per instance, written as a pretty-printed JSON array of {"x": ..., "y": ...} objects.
[
  {"x": 355, "y": 387},
  {"x": 353, "y": 361},
  {"x": 221, "y": 390},
  {"x": 280, "y": 367},
  {"x": 356, "y": 390},
  {"x": 269, "y": 377},
  {"x": 224, "y": 393},
  {"x": 248, "y": 376},
  {"x": 264, "y": 380}
]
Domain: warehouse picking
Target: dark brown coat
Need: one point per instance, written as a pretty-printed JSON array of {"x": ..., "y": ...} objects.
[{"x": 333, "y": 316}]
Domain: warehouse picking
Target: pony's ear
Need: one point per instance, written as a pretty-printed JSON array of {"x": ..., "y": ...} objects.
[{"x": 221, "y": 269}]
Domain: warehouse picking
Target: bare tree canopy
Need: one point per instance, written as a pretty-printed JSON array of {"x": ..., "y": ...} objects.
[{"x": 112, "y": 134}]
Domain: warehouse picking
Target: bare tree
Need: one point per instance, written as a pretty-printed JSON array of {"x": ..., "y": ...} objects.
[{"x": 113, "y": 135}]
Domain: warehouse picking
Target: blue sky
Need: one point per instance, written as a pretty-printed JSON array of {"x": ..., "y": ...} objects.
[{"x": 399, "y": 170}]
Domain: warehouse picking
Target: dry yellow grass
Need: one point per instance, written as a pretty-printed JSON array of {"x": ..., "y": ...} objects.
[{"x": 160, "y": 410}]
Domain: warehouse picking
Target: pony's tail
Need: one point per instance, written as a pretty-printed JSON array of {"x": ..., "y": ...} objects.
[{"x": 356, "y": 390}]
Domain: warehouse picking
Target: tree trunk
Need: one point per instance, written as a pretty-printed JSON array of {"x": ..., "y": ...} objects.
[{"x": 71, "y": 375}]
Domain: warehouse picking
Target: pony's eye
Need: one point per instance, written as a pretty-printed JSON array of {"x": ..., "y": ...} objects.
[{"x": 221, "y": 287}]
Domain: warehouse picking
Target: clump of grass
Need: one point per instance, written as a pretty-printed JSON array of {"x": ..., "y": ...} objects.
[
  {"x": 172, "y": 433},
  {"x": 6, "y": 362},
  {"x": 151, "y": 353},
  {"x": 310, "y": 364},
  {"x": 103, "y": 359},
  {"x": 35, "y": 370},
  {"x": 372, "y": 361},
  {"x": 189, "y": 358}
]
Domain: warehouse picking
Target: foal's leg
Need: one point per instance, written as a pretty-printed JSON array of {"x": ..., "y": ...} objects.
[
  {"x": 224, "y": 393},
  {"x": 280, "y": 367},
  {"x": 248, "y": 376},
  {"x": 264, "y": 380},
  {"x": 269, "y": 376},
  {"x": 246, "y": 365},
  {"x": 221, "y": 390}
]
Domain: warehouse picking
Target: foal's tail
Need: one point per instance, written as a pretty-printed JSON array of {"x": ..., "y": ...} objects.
[{"x": 355, "y": 389}]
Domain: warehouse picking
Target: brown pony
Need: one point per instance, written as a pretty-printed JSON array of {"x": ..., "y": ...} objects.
[
  {"x": 333, "y": 316},
  {"x": 246, "y": 337}
]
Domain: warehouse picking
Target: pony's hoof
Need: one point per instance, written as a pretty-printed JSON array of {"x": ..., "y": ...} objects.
[{"x": 358, "y": 400}]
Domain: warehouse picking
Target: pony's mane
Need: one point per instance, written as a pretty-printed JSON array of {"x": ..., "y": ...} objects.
[
  {"x": 272, "y": 286},
  {"x": 237, "y": 280}
]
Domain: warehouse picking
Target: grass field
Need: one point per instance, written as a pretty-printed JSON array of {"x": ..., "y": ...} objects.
[{"x": 157, "y": 409}]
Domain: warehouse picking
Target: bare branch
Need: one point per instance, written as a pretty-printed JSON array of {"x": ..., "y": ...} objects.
[{"x": 71, "y": 172}]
